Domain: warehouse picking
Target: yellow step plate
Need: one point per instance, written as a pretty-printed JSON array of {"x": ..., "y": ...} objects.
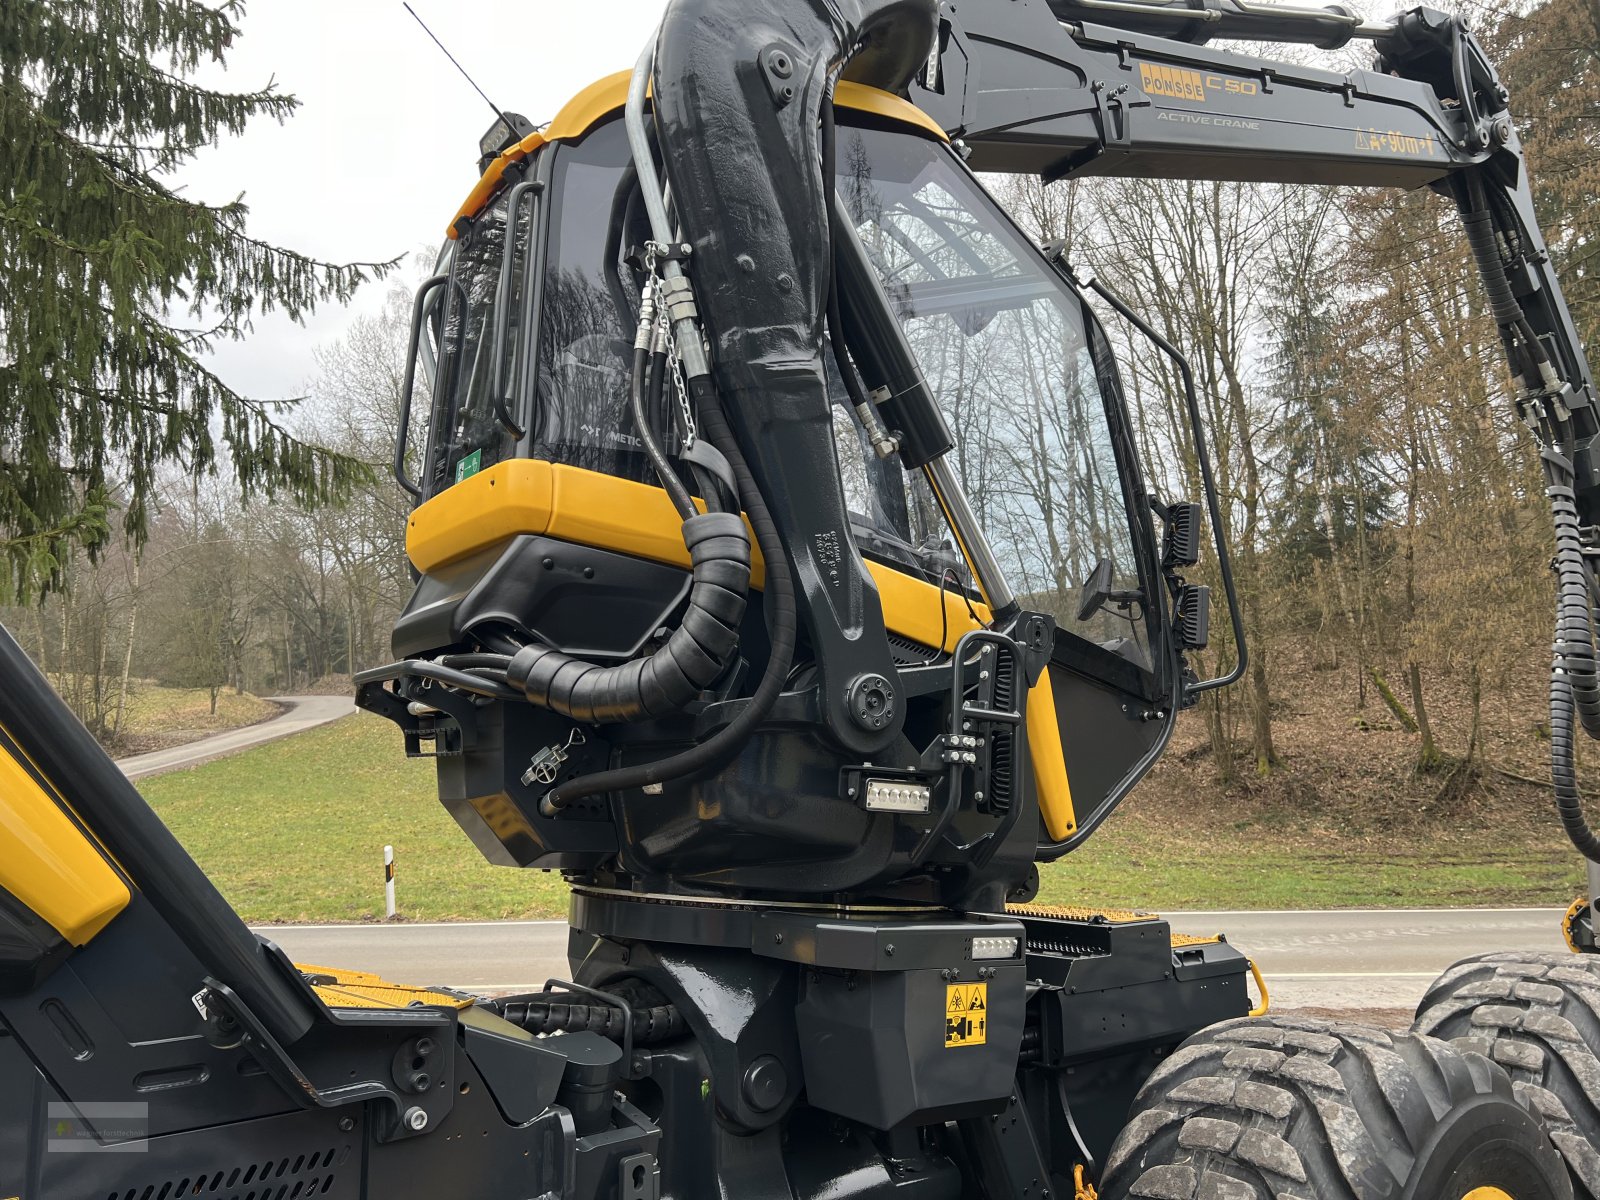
[
  {"x": 339, "y": 987},
  {"x": 1116, "y": 916}
]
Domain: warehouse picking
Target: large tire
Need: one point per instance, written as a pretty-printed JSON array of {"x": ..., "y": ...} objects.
[
  {"x": 1537, "y": 1015},
  {"x": 1285, "y": 1109}
]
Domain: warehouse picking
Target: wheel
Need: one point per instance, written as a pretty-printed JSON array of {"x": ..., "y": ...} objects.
[
  {"x": 1285, "y": 1109},
  {"x": 1537, "y": 1015}
]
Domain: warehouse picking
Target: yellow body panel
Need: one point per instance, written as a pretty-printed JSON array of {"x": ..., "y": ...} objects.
[
  {"x": 529, "y": 495},
  {"x": 49, "y": 864},
  {"x": 1049, "y": 761},
  {"x": 606, "y": 96},
  {"x": 482, "y": 510}
]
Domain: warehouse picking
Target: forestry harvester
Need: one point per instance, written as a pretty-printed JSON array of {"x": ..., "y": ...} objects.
[{"x": 736, "y": 606}]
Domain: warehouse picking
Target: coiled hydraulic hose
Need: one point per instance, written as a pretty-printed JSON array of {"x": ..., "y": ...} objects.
[
  {"x": 779, "y": 586},
  {"x": 778, "y": 591},
  {"x": 1574, "y": 684},
  {"x": 695, "y": 654},
  {"x": 545, "y": 1014},
  {"x": 1572, "y": 660}
]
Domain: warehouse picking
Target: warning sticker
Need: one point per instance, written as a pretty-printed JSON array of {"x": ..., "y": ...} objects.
[{"x": 966, "y": 1014}]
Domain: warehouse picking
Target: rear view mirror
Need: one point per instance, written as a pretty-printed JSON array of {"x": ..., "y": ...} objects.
[{"x": 1096, "y": 590}]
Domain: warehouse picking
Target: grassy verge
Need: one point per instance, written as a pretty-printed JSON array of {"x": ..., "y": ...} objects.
[
  {"x": 294, "y": 831},
  {"x": 168, "y": 712}
]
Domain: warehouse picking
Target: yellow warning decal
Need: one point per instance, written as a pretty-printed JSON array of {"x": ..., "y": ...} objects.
[{"x": 966, "y": 1014}]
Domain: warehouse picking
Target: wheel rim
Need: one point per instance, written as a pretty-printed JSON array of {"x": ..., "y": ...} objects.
[{"x": 1487, "y": 1193}]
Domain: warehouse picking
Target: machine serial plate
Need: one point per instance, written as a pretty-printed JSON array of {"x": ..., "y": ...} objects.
[
  {"x": 896, "y": 795},
  {"x": 966, "y": 1014}
]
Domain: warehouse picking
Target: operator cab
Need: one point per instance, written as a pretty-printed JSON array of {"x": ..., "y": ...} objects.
[{"x": 539, "y": 517}]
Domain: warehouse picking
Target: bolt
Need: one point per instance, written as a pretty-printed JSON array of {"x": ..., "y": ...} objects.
[
  {"x": 549, "y": 564},
  {"x": 421, "y": 1081},
  {"x": 346, "y": 1124},
  {"x": 889, "y": 949},
  {"x": 588, "y": 572},
  {"x": 778, "y": 938},
  {"x": 416, "y": 1120},
  {"x": 424, "y": 1046}
]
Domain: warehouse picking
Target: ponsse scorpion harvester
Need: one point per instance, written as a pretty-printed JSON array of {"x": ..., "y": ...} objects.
[{"x": 732, "y": 609}]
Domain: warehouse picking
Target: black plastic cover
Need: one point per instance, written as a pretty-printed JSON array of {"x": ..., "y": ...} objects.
[
  {"x": 583, "y": 601},
  {"x": 29, "y": 947}
]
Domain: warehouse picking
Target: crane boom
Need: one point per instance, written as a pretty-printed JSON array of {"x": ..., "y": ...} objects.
[{"x": 1117, "y": 87}]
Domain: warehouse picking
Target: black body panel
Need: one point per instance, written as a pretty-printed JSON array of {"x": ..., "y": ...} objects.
[{"x": 581, "y": 600}]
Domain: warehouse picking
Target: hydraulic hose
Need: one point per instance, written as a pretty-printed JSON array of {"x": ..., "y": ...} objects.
[
  {"x": 1574, "y": 679},
  {"x": 543, "y": 1014},
  {"x": 638, "y": 386},
  {"x": 782, "y": 619},
  {"x": 835, "y": 313},
  {"x": 1573, "y": 659},
  {"x": 666, "y": 681}
]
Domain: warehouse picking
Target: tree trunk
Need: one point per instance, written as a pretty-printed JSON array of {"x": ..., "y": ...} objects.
[
  {"x": 1261, "y": 714},
  {"x": 127, "y": 653},
  {"x": 1429, "y": 758},
  {"x": 1221, "y": 748}
]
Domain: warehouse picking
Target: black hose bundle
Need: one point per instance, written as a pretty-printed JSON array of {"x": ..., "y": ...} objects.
[
  {"x": 698, "y": 650},
  {"x": 559, "y": 1013},
  {"x": 1572, "y": 672},
  {"x": 778, "y": 590},
  {"x": 1574, "y": 677}
]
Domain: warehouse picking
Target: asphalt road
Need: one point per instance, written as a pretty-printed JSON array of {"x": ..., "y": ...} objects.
[
  {"x": 305, "y": 712},
  {"x": 1347, "y": 959}
]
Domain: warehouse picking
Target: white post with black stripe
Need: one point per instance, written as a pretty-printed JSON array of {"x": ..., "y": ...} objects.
[{"x": 388, "y": 881}]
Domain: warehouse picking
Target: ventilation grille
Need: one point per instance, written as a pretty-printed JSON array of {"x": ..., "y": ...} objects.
[
  {"x": 1065, "y": 947},
  {"x": 1002, "y": 743},
  {"x": 1002, "y": 738},
  {"x": 299, "y": 1178},
  {"x": 907, "y": 653}
]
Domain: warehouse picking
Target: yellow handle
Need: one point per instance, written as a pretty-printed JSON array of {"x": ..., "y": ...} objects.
[{"x": 1261, "y": 986}]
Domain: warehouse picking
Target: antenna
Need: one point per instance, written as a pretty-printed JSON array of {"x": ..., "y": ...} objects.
[{"x": 459, "y": 67}]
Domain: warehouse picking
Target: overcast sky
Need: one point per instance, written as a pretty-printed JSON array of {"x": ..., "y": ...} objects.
[{"x": 384, "y": 146}]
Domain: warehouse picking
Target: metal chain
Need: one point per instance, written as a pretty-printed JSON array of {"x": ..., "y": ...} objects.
[
  {"x": 674, "y": 361},
  {"x": 675, "y": 370}
]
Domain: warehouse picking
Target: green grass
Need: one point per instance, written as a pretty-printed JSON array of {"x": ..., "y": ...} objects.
[
  {"x": 294, "y": 831},
  {"x": 153, "y": 709},
  {"x": 1254, "y": 871}
]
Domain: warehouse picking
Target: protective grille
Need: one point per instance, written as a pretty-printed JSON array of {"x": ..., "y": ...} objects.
[
  {"x": 1002, "y": 744},
  {"x": 300, "y": 1178}
]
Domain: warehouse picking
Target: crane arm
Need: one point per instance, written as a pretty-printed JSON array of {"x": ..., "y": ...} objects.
[{"x": 1111, "y": 87}]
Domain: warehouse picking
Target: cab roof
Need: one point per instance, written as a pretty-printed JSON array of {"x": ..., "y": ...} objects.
[{"x": 607, "y": 96}]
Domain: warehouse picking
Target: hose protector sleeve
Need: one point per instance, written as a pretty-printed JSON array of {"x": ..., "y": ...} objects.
[
  {"x": 1573, "y": 649},
  {"x": 665, "y": 682},
  {"x": 655, "y": 1023},
  {"x": 1491, "y": 269}
]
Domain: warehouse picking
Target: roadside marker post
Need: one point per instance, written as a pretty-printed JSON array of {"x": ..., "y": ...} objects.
[{"x": 388, "y": 881}]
